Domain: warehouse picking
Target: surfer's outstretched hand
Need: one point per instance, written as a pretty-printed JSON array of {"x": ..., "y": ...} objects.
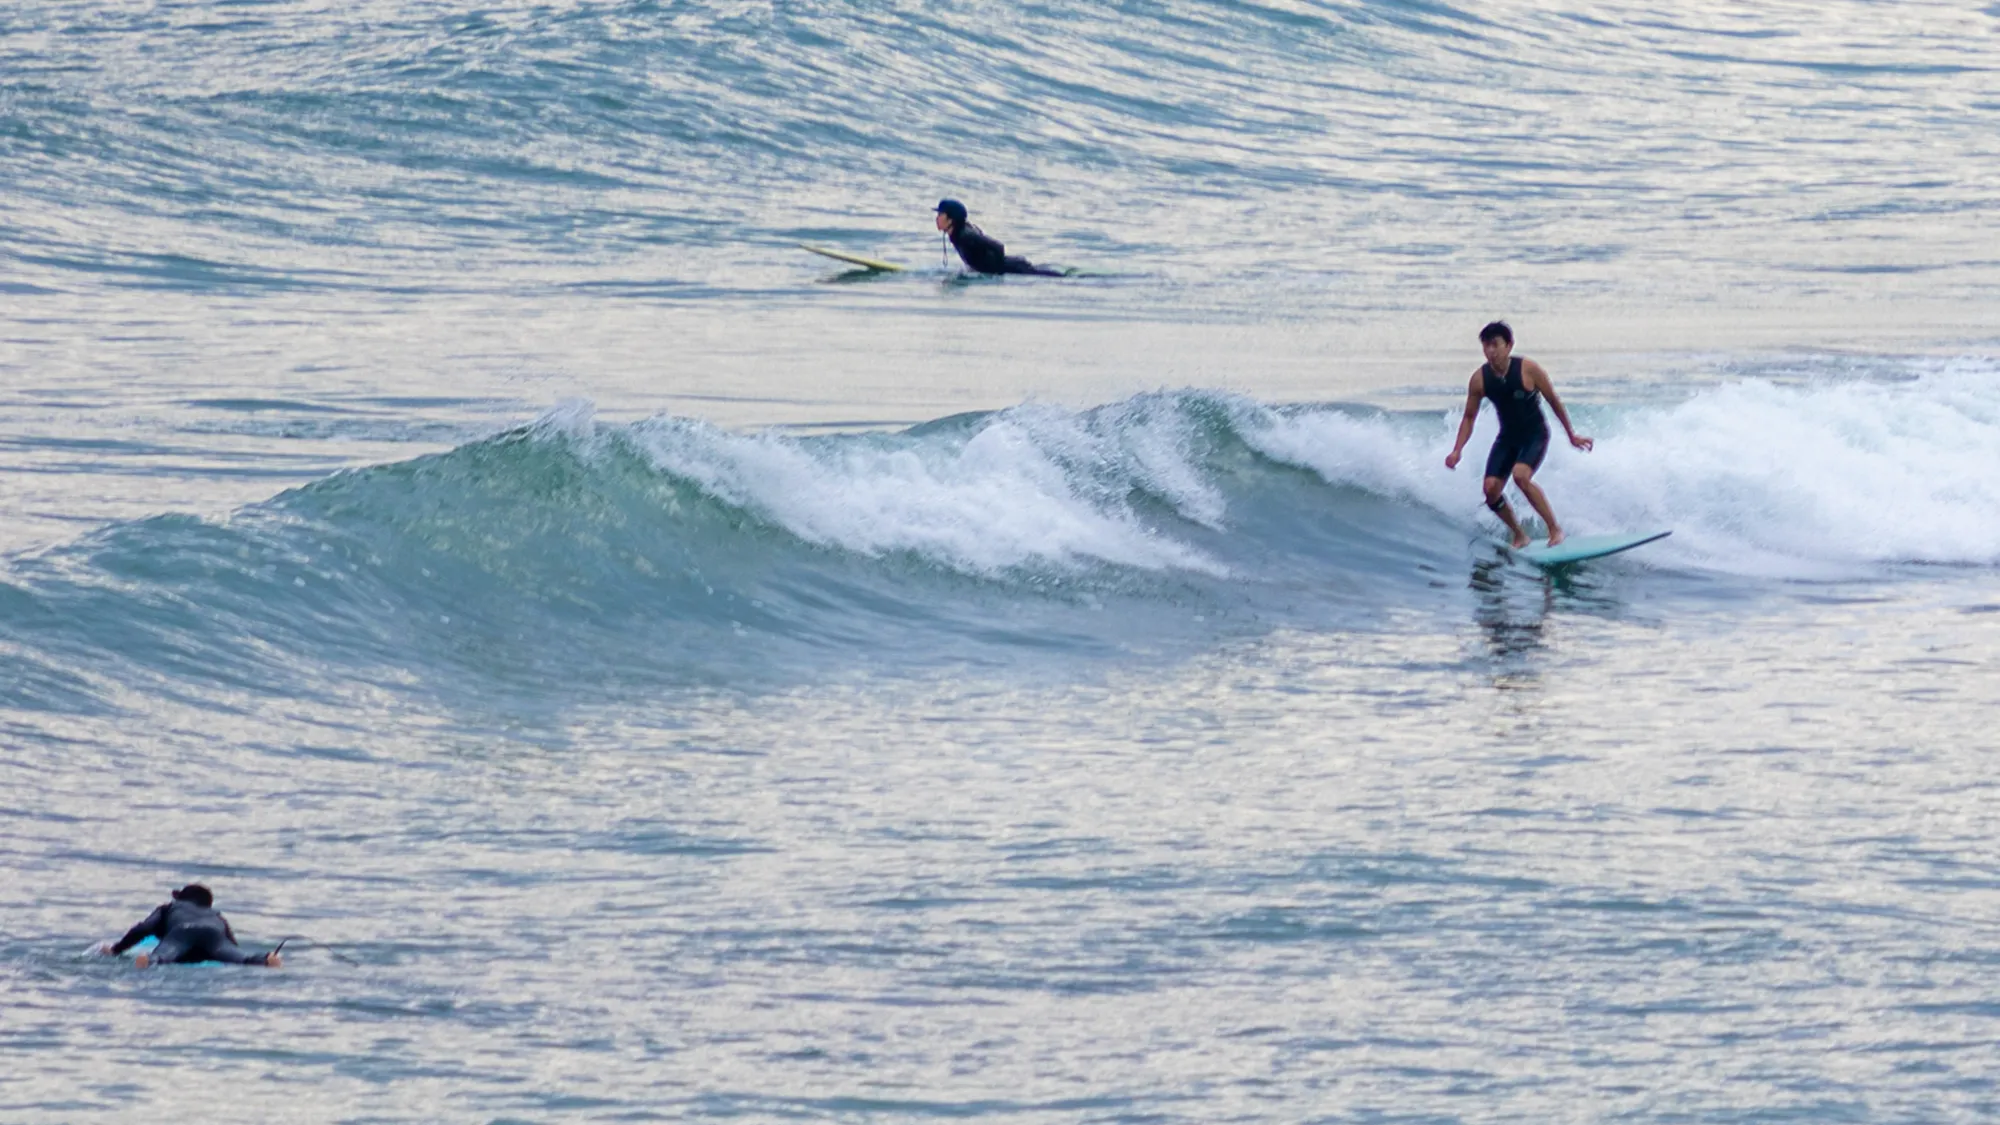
[{"x": 1583, "y": 443}]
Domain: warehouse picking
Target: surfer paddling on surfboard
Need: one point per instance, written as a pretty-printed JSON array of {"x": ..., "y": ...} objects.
[
  {"x": 981, "y": 252},
  {"x": 189, "y": 930},
  {"x": 1515, "y": 385}
]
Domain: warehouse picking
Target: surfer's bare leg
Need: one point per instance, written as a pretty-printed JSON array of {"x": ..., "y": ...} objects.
[
  {"x": 1504, "y": 510},
  {"x": 1524, "y": 479}
]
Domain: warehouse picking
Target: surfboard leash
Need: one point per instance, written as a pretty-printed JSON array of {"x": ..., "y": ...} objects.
[{"x": 316, "y": 944}]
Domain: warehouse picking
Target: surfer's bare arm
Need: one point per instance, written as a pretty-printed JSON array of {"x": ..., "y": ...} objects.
[
  {"x": 1534, "y": 370},
  {"x": 1473, "y": 393}
]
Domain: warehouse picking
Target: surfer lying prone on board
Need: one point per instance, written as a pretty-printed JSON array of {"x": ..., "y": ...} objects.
[
  {"x": 1515, "y": 385},
  {"x": 189, "y": 930},
  {"x": 980, "y": 251}
]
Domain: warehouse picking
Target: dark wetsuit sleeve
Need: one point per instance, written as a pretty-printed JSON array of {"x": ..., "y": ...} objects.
[
  {"x": 979, "y": 250},
  {"x": 152, "y": 927}
]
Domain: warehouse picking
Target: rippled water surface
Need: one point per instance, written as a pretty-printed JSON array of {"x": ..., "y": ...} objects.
[{"x": 654, "y": 675}]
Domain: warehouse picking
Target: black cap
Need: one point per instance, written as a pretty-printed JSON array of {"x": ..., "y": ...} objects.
[
  {"x": 197, "y": 894},
  {"x": 951, "y": 209}
]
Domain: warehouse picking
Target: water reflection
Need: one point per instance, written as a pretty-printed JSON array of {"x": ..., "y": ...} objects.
[
  {"x": 1512, "y": 606},
  {"x": 1511, "y": 609}
]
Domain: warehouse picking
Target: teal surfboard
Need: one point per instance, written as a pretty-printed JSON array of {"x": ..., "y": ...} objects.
[
  {"x": 1577, "y": 548},
  {"x": 852, "y": 259},
  {"x": 145, "y": 945}
]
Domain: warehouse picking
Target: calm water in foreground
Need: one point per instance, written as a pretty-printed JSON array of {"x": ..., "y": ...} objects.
[{"x": 662, "y": 678}]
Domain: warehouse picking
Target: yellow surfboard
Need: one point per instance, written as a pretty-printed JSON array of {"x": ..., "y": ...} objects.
[{"x": 852, "y": 259}]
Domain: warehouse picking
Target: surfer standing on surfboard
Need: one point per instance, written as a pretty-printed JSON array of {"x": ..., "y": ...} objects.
[
  {"x": 980, "y": 251},
  {"x": 1515, "y": 385}
]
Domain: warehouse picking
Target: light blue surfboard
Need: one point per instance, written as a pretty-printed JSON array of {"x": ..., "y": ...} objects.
[
  {"x": 1577, "y": 548},
  {"x": 145, "y": 945}
]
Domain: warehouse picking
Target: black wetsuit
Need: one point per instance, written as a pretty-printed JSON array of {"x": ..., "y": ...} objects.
[
  {"x": 1524, "y": 433},
  {"x": 985, "y": 254},
  {"x": 188, "y": 933}
]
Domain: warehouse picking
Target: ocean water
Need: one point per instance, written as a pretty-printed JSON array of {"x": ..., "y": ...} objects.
[{"x": 651, "y": 674}]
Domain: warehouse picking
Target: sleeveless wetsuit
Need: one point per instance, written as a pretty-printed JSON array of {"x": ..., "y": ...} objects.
[
  {"x": 188, "y": 933},
  {"x": 1524, "y": 433}
]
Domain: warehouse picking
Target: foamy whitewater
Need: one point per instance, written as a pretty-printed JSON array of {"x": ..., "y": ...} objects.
[{"x": 649, "y": 673}]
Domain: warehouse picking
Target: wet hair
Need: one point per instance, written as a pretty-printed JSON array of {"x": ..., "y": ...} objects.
[
  {"x": 197, "y": 894},
  {"x": 1497, "y": 330},
  {"x": 952, "y": 209}
]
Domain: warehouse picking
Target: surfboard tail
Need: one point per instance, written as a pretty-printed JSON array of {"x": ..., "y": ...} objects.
[{"x": 851, "y": 259}]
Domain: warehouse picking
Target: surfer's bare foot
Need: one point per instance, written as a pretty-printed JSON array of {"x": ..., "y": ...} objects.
[
  {"x": 272, "y": 960},
  {"x": 1520, "y": 539},
  {"x": 142, "y": 960},
  {"x": 1556, "y": 535}
]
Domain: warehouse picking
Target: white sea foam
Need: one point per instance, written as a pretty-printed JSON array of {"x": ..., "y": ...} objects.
[
  {"x": 1753, "y": 477},
  {"x": 1376, "y": 453},
  {"x": 1761, "y": 478},
  {"x": 1033, "y": 486}
]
